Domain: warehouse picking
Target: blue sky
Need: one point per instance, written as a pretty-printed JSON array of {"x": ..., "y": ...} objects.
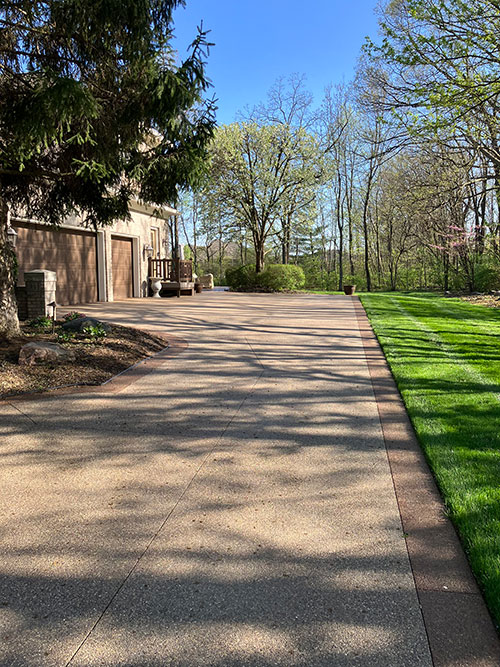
[{"x": 258, "y": 41}]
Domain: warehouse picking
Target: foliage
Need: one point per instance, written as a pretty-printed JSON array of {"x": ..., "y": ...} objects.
[
  {"x": 487, "y": 275},
  {"x": 255, "y": 172},
  {"x": 42, "y": 322},
  {"x": 280, "y": 277},
  {"x": 94, "y": 332},
  {"x": 274, "y": 278},
  {"x": 94, "y": 110},
  {"x": 438, "y": 64},
  {"x": 65, "y": 336},
  {"x": 444, "y": 356},
  {"x": 242, "y": 278}
]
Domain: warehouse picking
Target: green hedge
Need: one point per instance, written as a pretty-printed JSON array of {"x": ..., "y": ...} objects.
[
  {"x": 279, "y": 277},
  {"x": 242, "y": 278},
  {"x": 275, "y": 278}
]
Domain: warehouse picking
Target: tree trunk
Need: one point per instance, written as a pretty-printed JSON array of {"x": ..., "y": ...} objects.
[
  {"x": 365, "y": 228},
  {"x": 351, "y": 261},
  {"x": 341, "y": 258},
  {"x": 446, "y": 272},
  {"x": 367, "y": 250},
  {"x": 259, "y": 253},
  {"x": 9, "y": 321},
  {"x": 195, "y": 238},
  {"x": 285, "y": 243}
]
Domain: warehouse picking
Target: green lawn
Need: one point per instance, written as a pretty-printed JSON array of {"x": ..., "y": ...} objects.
[{"x": 445, "y": 357}]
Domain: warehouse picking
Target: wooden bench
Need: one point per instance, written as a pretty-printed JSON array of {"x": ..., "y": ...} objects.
[
  {"x": 176, "y": 275},
  {"x": 186, "y": 288}
]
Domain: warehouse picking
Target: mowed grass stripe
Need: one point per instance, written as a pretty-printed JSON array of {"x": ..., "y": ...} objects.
[
  {"x": 454, "y": 355},
  {"x": 445, "y": 358}
]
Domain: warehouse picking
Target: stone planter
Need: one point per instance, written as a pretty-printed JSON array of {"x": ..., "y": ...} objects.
[
  {"x": 155, "y": 287},
  {"x": 349, "y": 289}
]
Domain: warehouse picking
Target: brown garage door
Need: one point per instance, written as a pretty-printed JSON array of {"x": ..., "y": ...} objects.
[
  {"x": 71, "y": 254},
  {"x": 121, "y": 256}
]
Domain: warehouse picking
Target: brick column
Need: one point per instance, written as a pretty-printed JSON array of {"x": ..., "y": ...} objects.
[{"x": 40, "y": 291}]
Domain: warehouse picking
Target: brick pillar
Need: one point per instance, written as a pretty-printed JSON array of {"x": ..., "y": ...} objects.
[{"x": 40, "y": 291}]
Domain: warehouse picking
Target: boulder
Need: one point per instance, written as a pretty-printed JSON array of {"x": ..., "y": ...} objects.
[
  {"x": 39, "y": 352},
  {"x": 80, "y": 323}
]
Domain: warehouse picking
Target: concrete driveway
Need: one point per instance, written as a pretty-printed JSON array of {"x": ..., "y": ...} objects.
[{"x": 233, "y": 507}]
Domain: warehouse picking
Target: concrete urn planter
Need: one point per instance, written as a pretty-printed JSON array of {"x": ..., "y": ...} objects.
[
  {"x": 155, "y": 287},
  {"x": 349, "y": 289}
]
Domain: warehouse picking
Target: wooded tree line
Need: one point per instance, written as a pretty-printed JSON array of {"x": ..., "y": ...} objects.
[{"x": 392, "y": 181}]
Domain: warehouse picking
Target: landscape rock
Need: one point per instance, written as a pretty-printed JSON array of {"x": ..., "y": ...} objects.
[
  {"x": 80, "y": 323},
  {"x": 39, "y": 352}
]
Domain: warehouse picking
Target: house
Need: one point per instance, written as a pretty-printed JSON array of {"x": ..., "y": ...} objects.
[{"x": 106, "y": 265}]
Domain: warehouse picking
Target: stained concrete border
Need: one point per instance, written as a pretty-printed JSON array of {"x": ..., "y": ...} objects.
[
  {"x": 174, "y": 347},
  {"x": 459, "y": 627}
]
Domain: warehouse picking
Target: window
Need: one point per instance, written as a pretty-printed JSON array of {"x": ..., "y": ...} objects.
[{"x": 155, "y": 241}]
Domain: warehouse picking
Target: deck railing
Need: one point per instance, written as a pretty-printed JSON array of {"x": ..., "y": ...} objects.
[{"x": 176, "y": 270}]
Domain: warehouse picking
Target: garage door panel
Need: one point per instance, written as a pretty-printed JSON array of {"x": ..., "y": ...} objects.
[
  {"x": 121, "y": 256},
  {"x": 71, "y": 254}
]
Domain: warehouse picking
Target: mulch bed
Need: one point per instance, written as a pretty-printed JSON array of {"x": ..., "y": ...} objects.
[
  {"x": 95, "y": 361},
  {"x": 483, "y": 300}
]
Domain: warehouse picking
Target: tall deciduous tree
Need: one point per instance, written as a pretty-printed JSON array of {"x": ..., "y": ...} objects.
[
  {"x": 439, "y": 66},
  {"x": 94, "y": 111},
  {"x": 258, "y": 172},
  {"x": 289, "y": 104}
]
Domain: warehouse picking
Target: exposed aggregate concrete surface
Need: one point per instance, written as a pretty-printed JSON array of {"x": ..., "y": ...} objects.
[{"x": 233, "y": 507}]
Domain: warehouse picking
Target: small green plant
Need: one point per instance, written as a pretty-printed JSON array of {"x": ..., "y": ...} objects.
[
  {"x": 74, "y": 315},
  {"x": 65, "y": 336},
  {"x": 43, "y": 322},
  {"x": 94, "y": 332}
]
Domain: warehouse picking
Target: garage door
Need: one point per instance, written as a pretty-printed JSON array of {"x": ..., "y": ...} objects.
[
  {"x": 71, "y": 254},
  {"x": 121, "y": 256}
]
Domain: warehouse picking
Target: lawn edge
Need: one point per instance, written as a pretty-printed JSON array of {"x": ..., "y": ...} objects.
[
  {"x": 174, "y": 347},
  {"x": 459, "y": 626}
]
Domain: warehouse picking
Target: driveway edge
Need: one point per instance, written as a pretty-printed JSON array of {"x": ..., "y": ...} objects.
[
  {"x": 459, "y": 627},
  {"x": 175, "y": 346}
]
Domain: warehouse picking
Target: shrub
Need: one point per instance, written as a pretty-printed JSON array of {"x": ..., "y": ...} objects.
[
  {"x": 275, "y": 278},
  {"x": 42, "y": 322},
  {"x": 487, "y": 276},
  {"x": 279, "y": 277},
  {"x": 242, "y": 278},
  {"x": 65, "y": 336},
  {"x": 94, "y": 332}
]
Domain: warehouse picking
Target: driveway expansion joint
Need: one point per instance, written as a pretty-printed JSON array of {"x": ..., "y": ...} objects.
[{"x": 205, "y": 459}]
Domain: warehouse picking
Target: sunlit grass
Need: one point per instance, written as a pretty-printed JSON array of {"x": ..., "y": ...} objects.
[{"x": 445, "y": 357}]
